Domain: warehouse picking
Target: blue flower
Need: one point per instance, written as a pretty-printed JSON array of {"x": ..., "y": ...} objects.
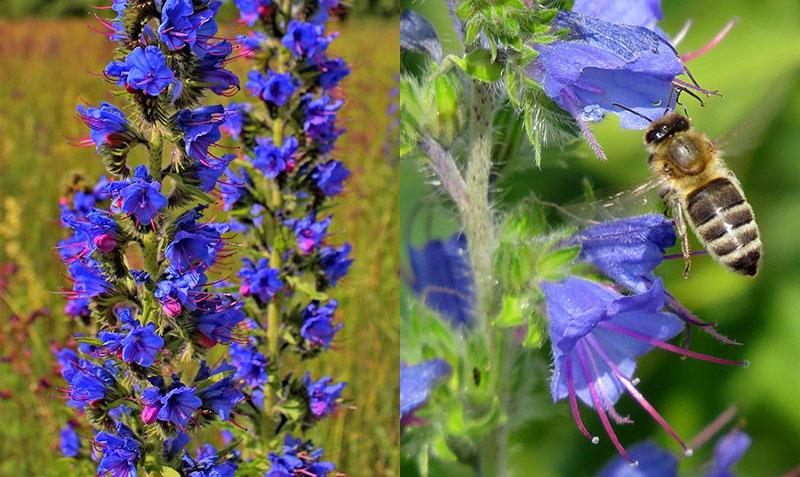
[
  {"x": 323, "y": 397},
  {"x": 141, "y": 345},
  {"x": 727, "y": 452},
  {"x": 200, "y": 130},
  {"x": 310, "y": 233},
  {"x": 305, "y": 40},
  {"x": 645, "y": 13},
  {"x": 212, "y": 69},
  {"x": 320, "y": 121},
  {"x": 251, "y": 10},
  {"x": 208, "y": 464},
  {"x": 108, "y": 126},
  {"x": 627, "y": 250},
  {"x": 318, "y": 328},
  {"x": 330, "y": 176},
  {"x": 121, "y": 452},
  {"x": 88, "y": 279},
  {"x": 442, "y": 278},
  {"x": 178, "y": 405},
  {"x": 144, "y": 69},
  {"x": 234, "y": 189},
  {"x": 138, "y": 196},
  {"x": 195, "y": 245},
  {"x": 221, "y": 397},
  {"x": 69, "y": 441},
  {"x": 298, "y": 458},
  {"x": 335, "y": 262},
  {"x": 416, "y": 383},
  {"x": 275, "y": 88},
  {"x": 176, "y": 30},
  {"x": 332, "y": 72},
  {"x": 596, "y": 335},
  {"x": 652, "y": 461},
  {"x": 234, "y": 119},
  {"x": 176, "y": 292},
  {"x": 601, "y": 63},
  {"x": 259, "y": 280},
  {"x": 272, "y": 160},
  {"x": 251, "y": 366},
  {"x": 210, "y": 172},
  {"x": 216, "y": 326}
]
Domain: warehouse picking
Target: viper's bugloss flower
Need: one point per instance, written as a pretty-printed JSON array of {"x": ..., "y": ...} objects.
[
  {"x": 272, "y": 160},
  {"x": 298, "y": 458},
  {"x": 727, "y": 452},
  {"x": 212, "y": 69},
  {"x": 87, "y": 381},
  {"x": 335, "y": 262},
  {"x": 442, "y": 278},
  {"x": 275, "y": 88},
  {"x": 318, "y": 328},
  {"x": 210, "y": 172},
  {"x": 627, "y": 250},
  {"x": 596, "y": 335},
  {"x": 332, "y": 72},
  {"x": 600, "y": 63},
  {"x": 251, "y": 365},
  {"x": 221, "y": 397},
  {"x": 178, "y": 405},
  {"x": 259, "y": 279},
  {"x": 196, "y": 244},
  {"x": 181, "y": 291},
  {"x": 108, "y": 125},
  {"x": 416, "y": 383},
  {"x": 120, "y": 452},
  {"x": 234, "y": 188},
  {"x": 141, "y": 345},
  {"x": 200, "y": 130},
  {"x": 329, "y": 177},
  {"x": 323, "y": 397},
  {"x": 624, "y": 12},
  {"x": 208, "y": 464},
  {"x": 182, "y": 26},
  {"x": 305, "y": 40},
  {"x": 69, "y": 442},
  {"x": 251, "y": 10},
  {"x": 652, "y": 461},
  {"x": 216, "y": 326},
  {"x": 320, "y": 121},
  {"x": 144, "y": 69},
  {"x": 309, "y": 232},
  {"x": 234, "y": 119},
  {"x": 138, "y": 196},
  {"x": 88, "y": 279}
]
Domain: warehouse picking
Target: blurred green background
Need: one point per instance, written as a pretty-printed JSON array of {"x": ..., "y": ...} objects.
[
  {"x": 48, "y": 67},
  {"x": 755, "y": 68}
]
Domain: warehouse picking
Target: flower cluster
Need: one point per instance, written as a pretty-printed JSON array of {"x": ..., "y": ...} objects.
[
  {"x": 139, "y": 251},
  {"x": 276, "y": 190}
]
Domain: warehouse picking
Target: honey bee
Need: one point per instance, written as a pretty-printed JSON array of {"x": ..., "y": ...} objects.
[{"x": 700, "y": 189}]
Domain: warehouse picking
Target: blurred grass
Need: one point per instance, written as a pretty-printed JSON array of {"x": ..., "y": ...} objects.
[
  {"x": 759, "y": 62},
  {"x": 45, "y": 73}
]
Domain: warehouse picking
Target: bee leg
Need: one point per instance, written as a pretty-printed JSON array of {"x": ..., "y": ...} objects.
[{"x": 680, "y": 228}]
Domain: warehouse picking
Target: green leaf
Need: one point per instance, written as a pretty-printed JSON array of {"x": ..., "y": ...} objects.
[
  {"x": 512, "y": 312},
  {"x": 536, "y": 335},
  {"x": 306, "y": 288},
  {"x": 169, "y": 472},
  {"x": 478, "y": 64},
  {"x": 552, "y": 266}
]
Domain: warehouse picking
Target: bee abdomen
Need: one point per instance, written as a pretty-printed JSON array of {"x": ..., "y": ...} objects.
[{"x": 724, "y": 221}]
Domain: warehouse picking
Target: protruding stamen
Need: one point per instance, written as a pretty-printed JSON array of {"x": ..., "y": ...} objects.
[
  {"x": 573, "y": 403},
  {"x": 670, "y": 347},
  {"x": 678, "y": 38},
  {"x": 599, "y": 407},
  {"x": 706, "y": 434},
  {"x": 711, "y": 44}
]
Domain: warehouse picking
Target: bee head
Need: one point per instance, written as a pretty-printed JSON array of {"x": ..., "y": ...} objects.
[{"x": 666, "y": 127}]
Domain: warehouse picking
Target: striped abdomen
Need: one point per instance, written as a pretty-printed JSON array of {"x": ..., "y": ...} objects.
[{"x": 724, "y": 222}]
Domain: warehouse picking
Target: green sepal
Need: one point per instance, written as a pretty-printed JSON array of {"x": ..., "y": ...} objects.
[
  {"x": 553, "y": 266},
  {"x": 479, "y": 65},
  {"x": 511, "y": 313}
]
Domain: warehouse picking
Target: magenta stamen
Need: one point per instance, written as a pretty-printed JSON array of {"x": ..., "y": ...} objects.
[
  {"x": 695, "y": 87},
  {"x": 711, "y": 44},
  {"x": 694, "y": 253},
  {"x": 721, "y": 421},
  {"x": 681, "y": 33},
  {"x": 573, "y": 402},
  {"x": 587, "y": 133},
  {"x": 636, "y": 394},
  {"x": 687, "y": 316},
  {"x": 599, "y": 408},
  {"x": 670, "y": 347}
]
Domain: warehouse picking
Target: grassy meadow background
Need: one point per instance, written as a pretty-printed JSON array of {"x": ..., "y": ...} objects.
[
  {"x": 757, "y": 70},
  {"x": 50, "y": 66}
]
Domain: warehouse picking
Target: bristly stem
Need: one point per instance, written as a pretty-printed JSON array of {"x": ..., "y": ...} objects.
[
  {"x": 273, "y": 309},
  {"x": 155, "y": 152}
]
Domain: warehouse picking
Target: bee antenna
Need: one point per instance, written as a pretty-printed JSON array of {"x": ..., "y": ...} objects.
[{"x": 632, "y": 111}]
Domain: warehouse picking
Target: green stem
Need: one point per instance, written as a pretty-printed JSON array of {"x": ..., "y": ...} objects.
[{"x": 155, "y": 152}]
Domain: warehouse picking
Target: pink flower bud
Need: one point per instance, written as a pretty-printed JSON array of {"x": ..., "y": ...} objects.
[
  {"x": 105, "y": 243},
  {"x": 149, "y": 413},
  {"x": 172, "y": 308}
]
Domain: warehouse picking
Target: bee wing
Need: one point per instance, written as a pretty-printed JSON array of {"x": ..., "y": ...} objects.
[
  {"x": 639, "y": 200},
  {"x": 747, "y": 133}
]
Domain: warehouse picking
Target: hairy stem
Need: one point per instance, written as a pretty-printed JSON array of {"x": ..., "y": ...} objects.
[{"x": 445, "y": 167}]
